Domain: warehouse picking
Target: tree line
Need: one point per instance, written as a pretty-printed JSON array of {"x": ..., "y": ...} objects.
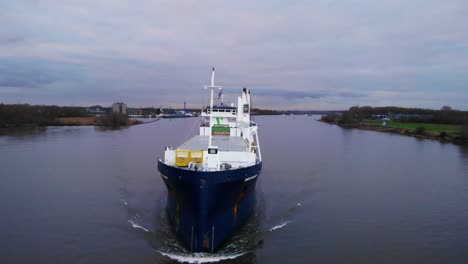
[
  {"x": 446, "y": 115},
  {"x": 42, "y": 115}
]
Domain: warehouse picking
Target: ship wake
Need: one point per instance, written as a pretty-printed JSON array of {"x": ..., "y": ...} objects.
[
  {"x": 279, "y": 226},
  {"x": 137, "y": 226},
  {"x": 200, "y": 257}
]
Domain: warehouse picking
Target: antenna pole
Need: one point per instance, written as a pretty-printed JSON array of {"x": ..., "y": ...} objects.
[
  {"x": 211, "y": 87},
  {"x": 211, "y": 107}
]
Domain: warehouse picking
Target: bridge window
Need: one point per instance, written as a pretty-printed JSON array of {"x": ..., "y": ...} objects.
[
  {"x": 212, "y": 151},
  {"x": 246, "y": 108}
]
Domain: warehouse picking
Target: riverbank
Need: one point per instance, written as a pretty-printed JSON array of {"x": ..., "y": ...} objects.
[
  {"x": 73, "y": 121},
  {"x": 89, "y": 121},
  {"x": 22, "y": 115},
  {"x": 442, "y": 133}
]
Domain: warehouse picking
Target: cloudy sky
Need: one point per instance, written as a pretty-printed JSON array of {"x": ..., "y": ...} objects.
[{"x": 313, "y": 54}]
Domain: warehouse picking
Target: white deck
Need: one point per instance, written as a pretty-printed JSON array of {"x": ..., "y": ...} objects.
[{"x": 224, "y": 143}]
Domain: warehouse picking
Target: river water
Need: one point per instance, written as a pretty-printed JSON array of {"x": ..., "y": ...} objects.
[{"x": 325, "y": 195}]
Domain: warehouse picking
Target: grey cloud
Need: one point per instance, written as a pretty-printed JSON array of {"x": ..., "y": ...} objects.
[
  {"x": 309, "y": 94},
  {"x": 349, "y": 94},
  {"x": 21, "y": 73},
  {"x": 11, "y": 40},
  {"x": 22, "y": 76},
  {"x": 344, "y": 49},
  {"x": 28, "y": 80},
  {"x": 292, "y": 94}
]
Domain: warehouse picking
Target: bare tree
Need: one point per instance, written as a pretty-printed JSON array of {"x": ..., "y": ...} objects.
[{"x": 446, "y": 108}]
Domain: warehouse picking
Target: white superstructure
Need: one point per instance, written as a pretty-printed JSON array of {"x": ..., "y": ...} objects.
[{"x": 227, "y": 138}]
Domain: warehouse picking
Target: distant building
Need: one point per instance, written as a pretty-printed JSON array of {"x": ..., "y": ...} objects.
[
  {"x": 406, "y": 116},
  {"x": 150, "y": 112},
  {"x": 96, "y": 110},
  {"x": 380, "y": 117},
  {"x": 119, "y": 108},
  {"x": 135, "y": 112}
]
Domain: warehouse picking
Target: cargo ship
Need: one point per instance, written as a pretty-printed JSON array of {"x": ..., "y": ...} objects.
[{"x": 211, "y": 178}]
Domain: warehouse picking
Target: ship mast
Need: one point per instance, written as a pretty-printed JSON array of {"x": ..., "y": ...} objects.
[{"x": 211, "y": 87}]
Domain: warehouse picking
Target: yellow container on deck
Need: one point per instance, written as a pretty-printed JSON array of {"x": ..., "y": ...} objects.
[{"x": 184, "y": 157}]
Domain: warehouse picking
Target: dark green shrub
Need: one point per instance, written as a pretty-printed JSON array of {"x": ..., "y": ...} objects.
[
  {"x": 420, "y": 130},
  {"x": 330, "y": 118},
  {"x": 349, "y": 118},
  {"x": 443, "y": 134},
  {"x": 112, "y": 119},
  {"x": 464, "y": 132}
]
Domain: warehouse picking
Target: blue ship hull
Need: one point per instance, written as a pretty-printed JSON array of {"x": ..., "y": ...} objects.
[{"x": 205, "y": 208}]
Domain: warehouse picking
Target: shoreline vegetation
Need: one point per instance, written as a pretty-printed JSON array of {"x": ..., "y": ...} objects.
[
  {"x": 445, "y": 125},
  {"x": 19, "y": 115},
  {"x": 23, "y": 115},
  {"x": 108, "y": 120}
]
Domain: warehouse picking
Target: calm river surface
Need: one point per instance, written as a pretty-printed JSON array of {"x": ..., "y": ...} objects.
[{"x": 325, "y": 195}]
